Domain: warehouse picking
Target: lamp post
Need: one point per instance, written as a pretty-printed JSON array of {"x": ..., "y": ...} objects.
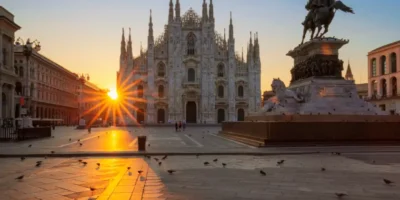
[{"x": 28, "y": 48}]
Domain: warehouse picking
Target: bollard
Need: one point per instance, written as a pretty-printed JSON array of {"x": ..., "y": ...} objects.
[{"x": 142, "y": 143}]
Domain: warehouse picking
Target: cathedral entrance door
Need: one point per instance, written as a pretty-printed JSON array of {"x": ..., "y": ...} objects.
[
  {"x": 140, "y": 116},
  {"x": 221, "y": 115},
  {"x": 240, "y": 115},
  {"x": 161, "y": 116},
  {"x": 191, "y": 112}
]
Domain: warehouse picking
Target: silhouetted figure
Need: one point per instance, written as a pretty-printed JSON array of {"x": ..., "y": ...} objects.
[
  {"x": 176, "y": 126},
  {"x": 90, "y": 129},
  {"x": 184, "y": 125},
  {"x": 180, "y": 125}
]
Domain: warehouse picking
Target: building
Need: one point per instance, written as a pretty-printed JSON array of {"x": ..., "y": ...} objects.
[
  {"x": 190, "y": 72},
  {"x": 362, "y": 88},
  {"x": 92, "y": 100},
  {"x": 384, "y": 76},
  {"x": 7, "y": 76}
]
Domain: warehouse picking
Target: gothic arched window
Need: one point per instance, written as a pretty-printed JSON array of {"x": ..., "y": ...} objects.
[
  {"x": 191, "y": 44},
  {"x": 140, "y": 91},
  {"x": 220, "y": 70},
  {"x": 161, "y": 69},
  {"x": 221, "y": 91},
  {"x": 240, "y": 91},
  {"x": 383, "y": 65},
  {"x": 191, "y": 75},
  {"x": 161, "y": 91}
]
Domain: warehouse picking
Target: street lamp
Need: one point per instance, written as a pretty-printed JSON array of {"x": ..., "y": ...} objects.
[{"x": 28, "y": 47}]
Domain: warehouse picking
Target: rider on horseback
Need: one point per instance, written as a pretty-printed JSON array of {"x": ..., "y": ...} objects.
[{"x": 312, "y": 7}]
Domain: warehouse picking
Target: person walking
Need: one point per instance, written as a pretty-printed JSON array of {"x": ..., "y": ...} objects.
[
  {"x": 176, "y": 126},
  {"x": 180, "y": 125},
  {"x": 184, "y": 125}
]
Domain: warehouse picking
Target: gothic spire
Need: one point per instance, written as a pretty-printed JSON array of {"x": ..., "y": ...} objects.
[
  {"x": 129, "y": 49},
  {"x": 123, "y": 48},
  {"x": 150, "y": 26},
  {"x": 171, "y": 12},
  {"x": 177, "y": 11},
  {"x": 211, "y": 15},
  {"x": 141, "y": 48},
  {"x": 205, "y": 15},
  {"x": 242, "y": 56},
  {"x": 349, "y": 74},
  {"x": 231, "y": 29}
]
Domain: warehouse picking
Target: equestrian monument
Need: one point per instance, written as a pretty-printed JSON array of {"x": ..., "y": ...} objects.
[{"x": 319, "y": 105}]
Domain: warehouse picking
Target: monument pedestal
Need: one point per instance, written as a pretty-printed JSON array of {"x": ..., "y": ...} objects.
[{"x": 318, "y": 106}]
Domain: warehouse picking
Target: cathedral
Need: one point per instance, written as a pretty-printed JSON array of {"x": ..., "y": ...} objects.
[{"x": 189, "y": 73}]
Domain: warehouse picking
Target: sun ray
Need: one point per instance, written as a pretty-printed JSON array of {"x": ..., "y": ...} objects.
[
  {"x": 94, "y": 107},
  {"x": 97, "y": 115},
  {"x": 129, "y": 114}
]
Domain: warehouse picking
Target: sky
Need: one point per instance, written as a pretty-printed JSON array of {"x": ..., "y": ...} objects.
[{"x": 84, "y": 35}]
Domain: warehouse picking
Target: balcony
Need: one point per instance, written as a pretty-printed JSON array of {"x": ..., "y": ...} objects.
[{"x": 188, "y": 84}]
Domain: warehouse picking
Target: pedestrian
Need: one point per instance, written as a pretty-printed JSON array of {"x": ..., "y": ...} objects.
[
  {"x": 184, "y": 125},
  {"x": 180, "y": 125},
  {"x": 90, "y": 129},
  {"x": 176, "y": 126}
]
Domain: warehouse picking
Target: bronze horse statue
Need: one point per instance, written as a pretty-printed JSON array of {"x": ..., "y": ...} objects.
[{"x": 323, "y": 16}]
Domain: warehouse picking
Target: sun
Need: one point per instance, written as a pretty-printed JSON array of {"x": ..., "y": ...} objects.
[{"x": 113, "y": 94}]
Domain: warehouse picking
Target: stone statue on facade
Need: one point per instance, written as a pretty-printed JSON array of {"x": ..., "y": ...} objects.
[
  {"x": 321, "y": 13},
  {"x": 282, "y": 96}
]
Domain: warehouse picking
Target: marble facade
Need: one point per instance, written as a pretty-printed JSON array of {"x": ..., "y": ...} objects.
[{"x": 189, "y": 73}]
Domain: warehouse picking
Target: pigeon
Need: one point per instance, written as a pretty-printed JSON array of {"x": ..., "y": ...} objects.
[
  {"x": 160, "y": 163},
  {"x": 140, "y": 171},
  {"x": 165, "y": 157},
  {"x": 20, "y": 177},
  {"x": 280, "y": 162},
  {"x": 263, "y": 173},
  {"x": 70, "y": 139},
  {"x": 98, "y": 164},
  {"x": 340, "y": 195},
  {"x": 224, "y": 164},
  {"x": 206, "y": 163},
  {"x": 171, "y": 171},
  {"x": 52, "y": 152},
  {"x": 156, "y": 159},
  {"x": 323, "y": 169},
  {"x": 129, "y": 168},
  {"x": 79, "y": 160},
  {"x": 92, "y": 189},
  {"x": 215, "y": 160},
  {"x": 29, "y": 145},
  {"x": 22, "y": 158},
  {"x": 38, "y": 161},
  {"x": 80, "y": 144},
  {"x": 84, "y": 163},
  {"x": 387, "y": 182},
  {"x": 148, "y": 145},
  {"x": 38, "y": 164},
  {"x": 79, "y": 140}
]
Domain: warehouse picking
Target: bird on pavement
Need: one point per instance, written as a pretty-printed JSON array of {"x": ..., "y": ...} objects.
[
  {"x": 263, "y": 173},
  {"x": 171, "y": 171},
  {"x": 20, "y": 177},
  {"x": 52, "y": 152},
  {"x": 148, "y": 145},
  {"x": 92, "y": 189},
  {"x": 80, "y": 144},
  {"x": 323, "y": 169},
  {"x": 206, "y": 163},
  {"x": 38, "y": 164},
  {"x": 79, "y": 140},
  {"x": 22, "y": 158},
  {"x": 387, "y": 182},
  {"x": 70, "y": 139},
  {"x": 224, "y": 164},
  {"x": 340, "y": 195},
  {"x": 30, "y": 145},
  {"x": 129, "y": 168},
  {"x": 280, "y": 162},
  {"x": 140, "y": 171},
  {"x": 98, "y": 164},
  {"x": 79, "y": 160},
  {"x": 84, "y": 163},
  {"x": 215, "y": 160},
  {"x": 159, "y": 163},
  {"x": 165, "y": 157},
  {"x": 156, "y": 159}
]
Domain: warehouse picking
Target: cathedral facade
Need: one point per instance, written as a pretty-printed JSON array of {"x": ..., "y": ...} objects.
[{"x": 189, "y": 73}]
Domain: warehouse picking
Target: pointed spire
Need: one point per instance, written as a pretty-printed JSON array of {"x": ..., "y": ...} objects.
[
  {"x": 178, "y": 11},
  {"x": 211, "y": 15},
  {"x": 151, "y": 26},
  {"x": 242, "y": 56},
  {"x": 251, "y": 39},
  {"x": 129, "y": 49},
  {"x": 171, "y": 12},
  {"x": 205, "y": 14},
  {"x": 141, "y": 48},
  {"x": 349, "y": 74},
  {"x": 231, "y": 29},
  {"x": 123, "y": 48}
]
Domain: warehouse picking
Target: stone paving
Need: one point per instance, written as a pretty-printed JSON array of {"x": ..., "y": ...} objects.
[{"x": 299, "y": 177}]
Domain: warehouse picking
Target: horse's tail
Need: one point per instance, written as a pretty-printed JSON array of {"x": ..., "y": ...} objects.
[{"x": 338, "y": 5}]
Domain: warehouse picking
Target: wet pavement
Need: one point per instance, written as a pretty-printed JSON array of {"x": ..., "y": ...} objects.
[{"x": 359, "y": 176}]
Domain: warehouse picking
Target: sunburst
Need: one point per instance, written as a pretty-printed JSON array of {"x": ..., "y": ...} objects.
[{"x": 115, "y": 103}]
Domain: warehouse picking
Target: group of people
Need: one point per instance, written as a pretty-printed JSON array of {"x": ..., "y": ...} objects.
[{"x": 180, "y": 125}]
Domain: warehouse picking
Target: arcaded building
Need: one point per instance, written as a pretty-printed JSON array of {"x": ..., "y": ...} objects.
[
  {"x": 384, "y": 77},
  {"x": 190, "y": 72}
]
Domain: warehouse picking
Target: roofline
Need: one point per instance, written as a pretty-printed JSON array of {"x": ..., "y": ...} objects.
[
  {"x": 16, "y": 26},
  {"x": 384, "y": 47}
]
